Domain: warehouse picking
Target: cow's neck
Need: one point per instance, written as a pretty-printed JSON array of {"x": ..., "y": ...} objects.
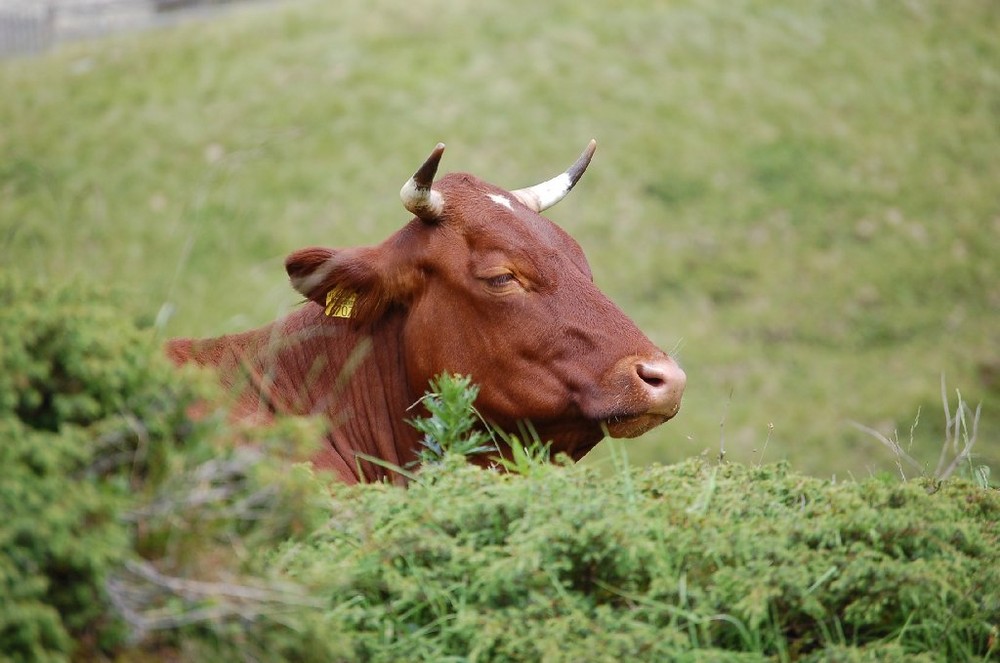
[{"x": 308, "y": 363}]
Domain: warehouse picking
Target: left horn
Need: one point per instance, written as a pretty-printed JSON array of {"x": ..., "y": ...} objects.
[
  {"x": 417, "y": 195},
  {"x": 543, "y": 196}
]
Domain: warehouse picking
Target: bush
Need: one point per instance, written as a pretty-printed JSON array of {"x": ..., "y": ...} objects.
[
  {"x": 658, "y": 563},
  {"x": 115, "y": 504},
  {"x": 64, "y": 364}
]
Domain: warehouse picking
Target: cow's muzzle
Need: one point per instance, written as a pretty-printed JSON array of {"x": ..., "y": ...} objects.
[
  {"x": 655, "y": 386},
  {"x": 662, "y": 382}
]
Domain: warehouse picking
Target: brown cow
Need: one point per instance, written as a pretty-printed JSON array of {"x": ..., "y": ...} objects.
[{"x": 478, "y": 283}]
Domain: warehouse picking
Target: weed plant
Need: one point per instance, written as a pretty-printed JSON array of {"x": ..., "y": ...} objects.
[{"x": 452, "y": 427}]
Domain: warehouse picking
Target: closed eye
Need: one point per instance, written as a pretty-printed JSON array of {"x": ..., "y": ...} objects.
[
  {"x": 501, "y": 283},
  {"x": 500, "y": 280}
]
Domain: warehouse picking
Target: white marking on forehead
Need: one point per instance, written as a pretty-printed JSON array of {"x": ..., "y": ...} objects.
[{"x": 500, "y": 200}]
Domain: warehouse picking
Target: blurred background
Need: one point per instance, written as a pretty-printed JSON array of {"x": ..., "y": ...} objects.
[{"x": 799, "y": 199}]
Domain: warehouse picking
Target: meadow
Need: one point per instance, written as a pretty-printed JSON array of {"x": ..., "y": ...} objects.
[{"x": 799, "y": 199}]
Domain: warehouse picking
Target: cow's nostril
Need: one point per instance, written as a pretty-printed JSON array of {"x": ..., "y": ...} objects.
[
  {"x": 652, "y": 375},
  {"x": 652, "y": 381}
]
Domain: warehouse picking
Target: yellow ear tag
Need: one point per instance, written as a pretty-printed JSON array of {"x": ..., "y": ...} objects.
[{"x": 342, "y": 310}]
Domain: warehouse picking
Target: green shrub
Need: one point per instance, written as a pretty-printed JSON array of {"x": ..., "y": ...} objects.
[
  {"x": 64, "y": 364},
  {"x": 663, "y": 562},
  {"x": 115, "y": 504}
]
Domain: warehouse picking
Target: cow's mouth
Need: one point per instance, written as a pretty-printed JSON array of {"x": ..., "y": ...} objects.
[{"x": 634, "y": 425}]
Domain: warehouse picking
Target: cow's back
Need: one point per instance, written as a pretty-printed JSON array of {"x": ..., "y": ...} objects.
[{"x": 308, "y": 363}]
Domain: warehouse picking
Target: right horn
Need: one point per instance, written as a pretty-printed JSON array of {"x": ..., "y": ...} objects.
[
  {"x": 546, "y": 194},
  {"x": 417, "y": 195}
]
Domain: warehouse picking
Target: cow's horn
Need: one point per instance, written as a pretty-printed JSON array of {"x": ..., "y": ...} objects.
[
  {"x": 417, "y": 195},
  {"x": 543, "y": 196}
]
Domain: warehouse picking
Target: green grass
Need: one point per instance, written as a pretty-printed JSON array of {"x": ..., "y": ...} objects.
[{"x": 802, "y": 198}]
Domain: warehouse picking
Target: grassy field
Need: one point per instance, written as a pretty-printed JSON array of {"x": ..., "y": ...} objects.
[{"x": 801, "y": 198}]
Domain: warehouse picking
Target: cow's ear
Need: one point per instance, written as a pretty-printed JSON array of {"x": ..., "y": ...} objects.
[
  {"x": 308, "y": 270},
  {"x": 360, "y": 290}
]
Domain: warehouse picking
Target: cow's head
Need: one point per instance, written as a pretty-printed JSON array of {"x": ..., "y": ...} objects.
[{"x": 492, "y": 289}]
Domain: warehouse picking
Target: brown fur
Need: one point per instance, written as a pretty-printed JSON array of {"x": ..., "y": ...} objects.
[{"x": 548, "y": 347}]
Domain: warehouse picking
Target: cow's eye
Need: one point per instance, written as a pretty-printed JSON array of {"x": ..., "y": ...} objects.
[{"x": 500, "y": 281}]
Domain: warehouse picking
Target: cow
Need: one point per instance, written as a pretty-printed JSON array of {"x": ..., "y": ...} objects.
[{"x": 477, "y": 283}]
